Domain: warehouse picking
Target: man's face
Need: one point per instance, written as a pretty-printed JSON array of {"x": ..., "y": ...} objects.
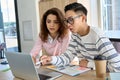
[{"x": 73, "y": 21}]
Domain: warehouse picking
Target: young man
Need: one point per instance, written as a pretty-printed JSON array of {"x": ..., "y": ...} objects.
[{"x": 86, "y": 43}]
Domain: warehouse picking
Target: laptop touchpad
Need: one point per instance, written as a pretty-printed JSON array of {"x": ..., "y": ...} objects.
[{"x": 43, "y": 77}]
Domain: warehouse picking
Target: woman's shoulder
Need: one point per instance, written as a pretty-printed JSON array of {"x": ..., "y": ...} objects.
[
  {"x": 68, "y": 35},
  {"x": 39, "y": 40}
]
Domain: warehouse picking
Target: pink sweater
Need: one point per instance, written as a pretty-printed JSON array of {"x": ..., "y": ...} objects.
[{"x": 52, "y": 47}]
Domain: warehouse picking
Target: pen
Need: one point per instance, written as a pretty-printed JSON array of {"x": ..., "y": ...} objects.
[
  {"x": 39, "y": 62},
  {"x": 90, "y": 68}
]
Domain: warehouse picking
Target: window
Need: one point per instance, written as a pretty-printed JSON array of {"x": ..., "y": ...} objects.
[
  {"x": 110, "y": 17},
  {"x": 9, "y": 24}
]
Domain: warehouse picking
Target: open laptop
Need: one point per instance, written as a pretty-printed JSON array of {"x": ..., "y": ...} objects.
[
  {"x": 114, "y": 75},
  {"x": 22, "y": 66}
]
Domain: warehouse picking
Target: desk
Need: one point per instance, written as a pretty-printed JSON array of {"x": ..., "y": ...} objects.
[{"x": 90, "y": 75}]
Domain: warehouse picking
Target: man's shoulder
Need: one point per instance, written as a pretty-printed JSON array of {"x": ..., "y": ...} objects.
[
  {"x": 97, "y": 31},
  {"x": 76, "y": 36}
]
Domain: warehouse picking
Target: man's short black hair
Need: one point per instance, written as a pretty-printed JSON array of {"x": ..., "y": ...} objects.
[{"x": 76, "y": 7}]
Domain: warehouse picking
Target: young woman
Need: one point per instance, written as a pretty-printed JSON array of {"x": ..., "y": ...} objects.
[{"x": 54, "y": 37}]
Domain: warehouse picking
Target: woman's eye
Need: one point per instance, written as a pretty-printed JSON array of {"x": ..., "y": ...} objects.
[
  {"x": 56, "y": 21},
  {"x": 48, "y": 21}
]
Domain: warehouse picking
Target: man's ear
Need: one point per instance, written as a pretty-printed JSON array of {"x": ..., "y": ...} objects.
[{"x": 84, "y": 18}]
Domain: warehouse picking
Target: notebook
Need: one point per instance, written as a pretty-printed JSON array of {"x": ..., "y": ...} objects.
[
  {"x": 71, "y": 70},
  {"x": 22, "y": 66}
]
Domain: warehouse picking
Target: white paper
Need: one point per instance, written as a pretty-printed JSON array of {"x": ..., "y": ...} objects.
[
  {"x": 70, "y": 70},
  {"x": 27, "y": 30}
]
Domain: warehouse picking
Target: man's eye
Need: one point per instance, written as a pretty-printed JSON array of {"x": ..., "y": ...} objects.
[{"x": 70, "y": 19}]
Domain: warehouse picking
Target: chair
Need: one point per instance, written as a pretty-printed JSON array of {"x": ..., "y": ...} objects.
[
  {"x": 116, "y": 44},
  {"x": 2, "y": 49},
  {"x": 2, "y": 55}
]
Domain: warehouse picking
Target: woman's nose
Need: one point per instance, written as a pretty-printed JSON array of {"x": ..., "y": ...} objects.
[{"x": 52, "y": 24}]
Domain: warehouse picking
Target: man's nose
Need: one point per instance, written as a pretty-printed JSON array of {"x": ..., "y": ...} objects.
[{"x": 68, "y": 25}]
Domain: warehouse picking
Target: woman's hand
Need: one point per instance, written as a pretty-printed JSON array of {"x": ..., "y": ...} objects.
[
  {"x": 45, "y": 59},
  {"x": 34, "y": 59},
  {"x": 83, "y": 63}
]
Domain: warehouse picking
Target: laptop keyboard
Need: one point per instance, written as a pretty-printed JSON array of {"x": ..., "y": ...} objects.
[{"x": 43, "y": 77}]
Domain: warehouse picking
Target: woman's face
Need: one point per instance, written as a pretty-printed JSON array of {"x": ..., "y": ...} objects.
[{"x": 52, "y": 24}]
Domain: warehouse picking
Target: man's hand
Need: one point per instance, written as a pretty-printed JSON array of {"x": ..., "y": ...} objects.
[
  {"x": 45, "y": 59},
  {"x": 83, "y": 63}
]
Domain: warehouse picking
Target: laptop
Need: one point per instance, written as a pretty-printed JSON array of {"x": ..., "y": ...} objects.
[
  {"x": 115, "y": 76},
  {"x": 22, "y": 66}
]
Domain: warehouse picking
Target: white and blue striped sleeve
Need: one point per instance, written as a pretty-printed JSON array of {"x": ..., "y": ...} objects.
[
  {"x": 67, "y": 57},
  {"x": 106, "y": 48}
]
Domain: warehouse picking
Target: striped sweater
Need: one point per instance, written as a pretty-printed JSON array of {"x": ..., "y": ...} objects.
[{"x": 87, "y": 47}]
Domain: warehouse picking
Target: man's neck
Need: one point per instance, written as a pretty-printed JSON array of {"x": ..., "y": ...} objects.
[{"x": 85, "y": 31}]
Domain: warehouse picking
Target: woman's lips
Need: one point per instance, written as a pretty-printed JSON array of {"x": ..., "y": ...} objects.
[{"x": 52, "y": 29}]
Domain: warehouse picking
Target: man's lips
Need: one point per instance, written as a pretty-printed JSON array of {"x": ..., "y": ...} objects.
[{"x": 71, "y": 29}]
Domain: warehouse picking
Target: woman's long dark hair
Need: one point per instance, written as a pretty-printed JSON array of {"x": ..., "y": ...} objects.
[{"x": 62, "y": 31}]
